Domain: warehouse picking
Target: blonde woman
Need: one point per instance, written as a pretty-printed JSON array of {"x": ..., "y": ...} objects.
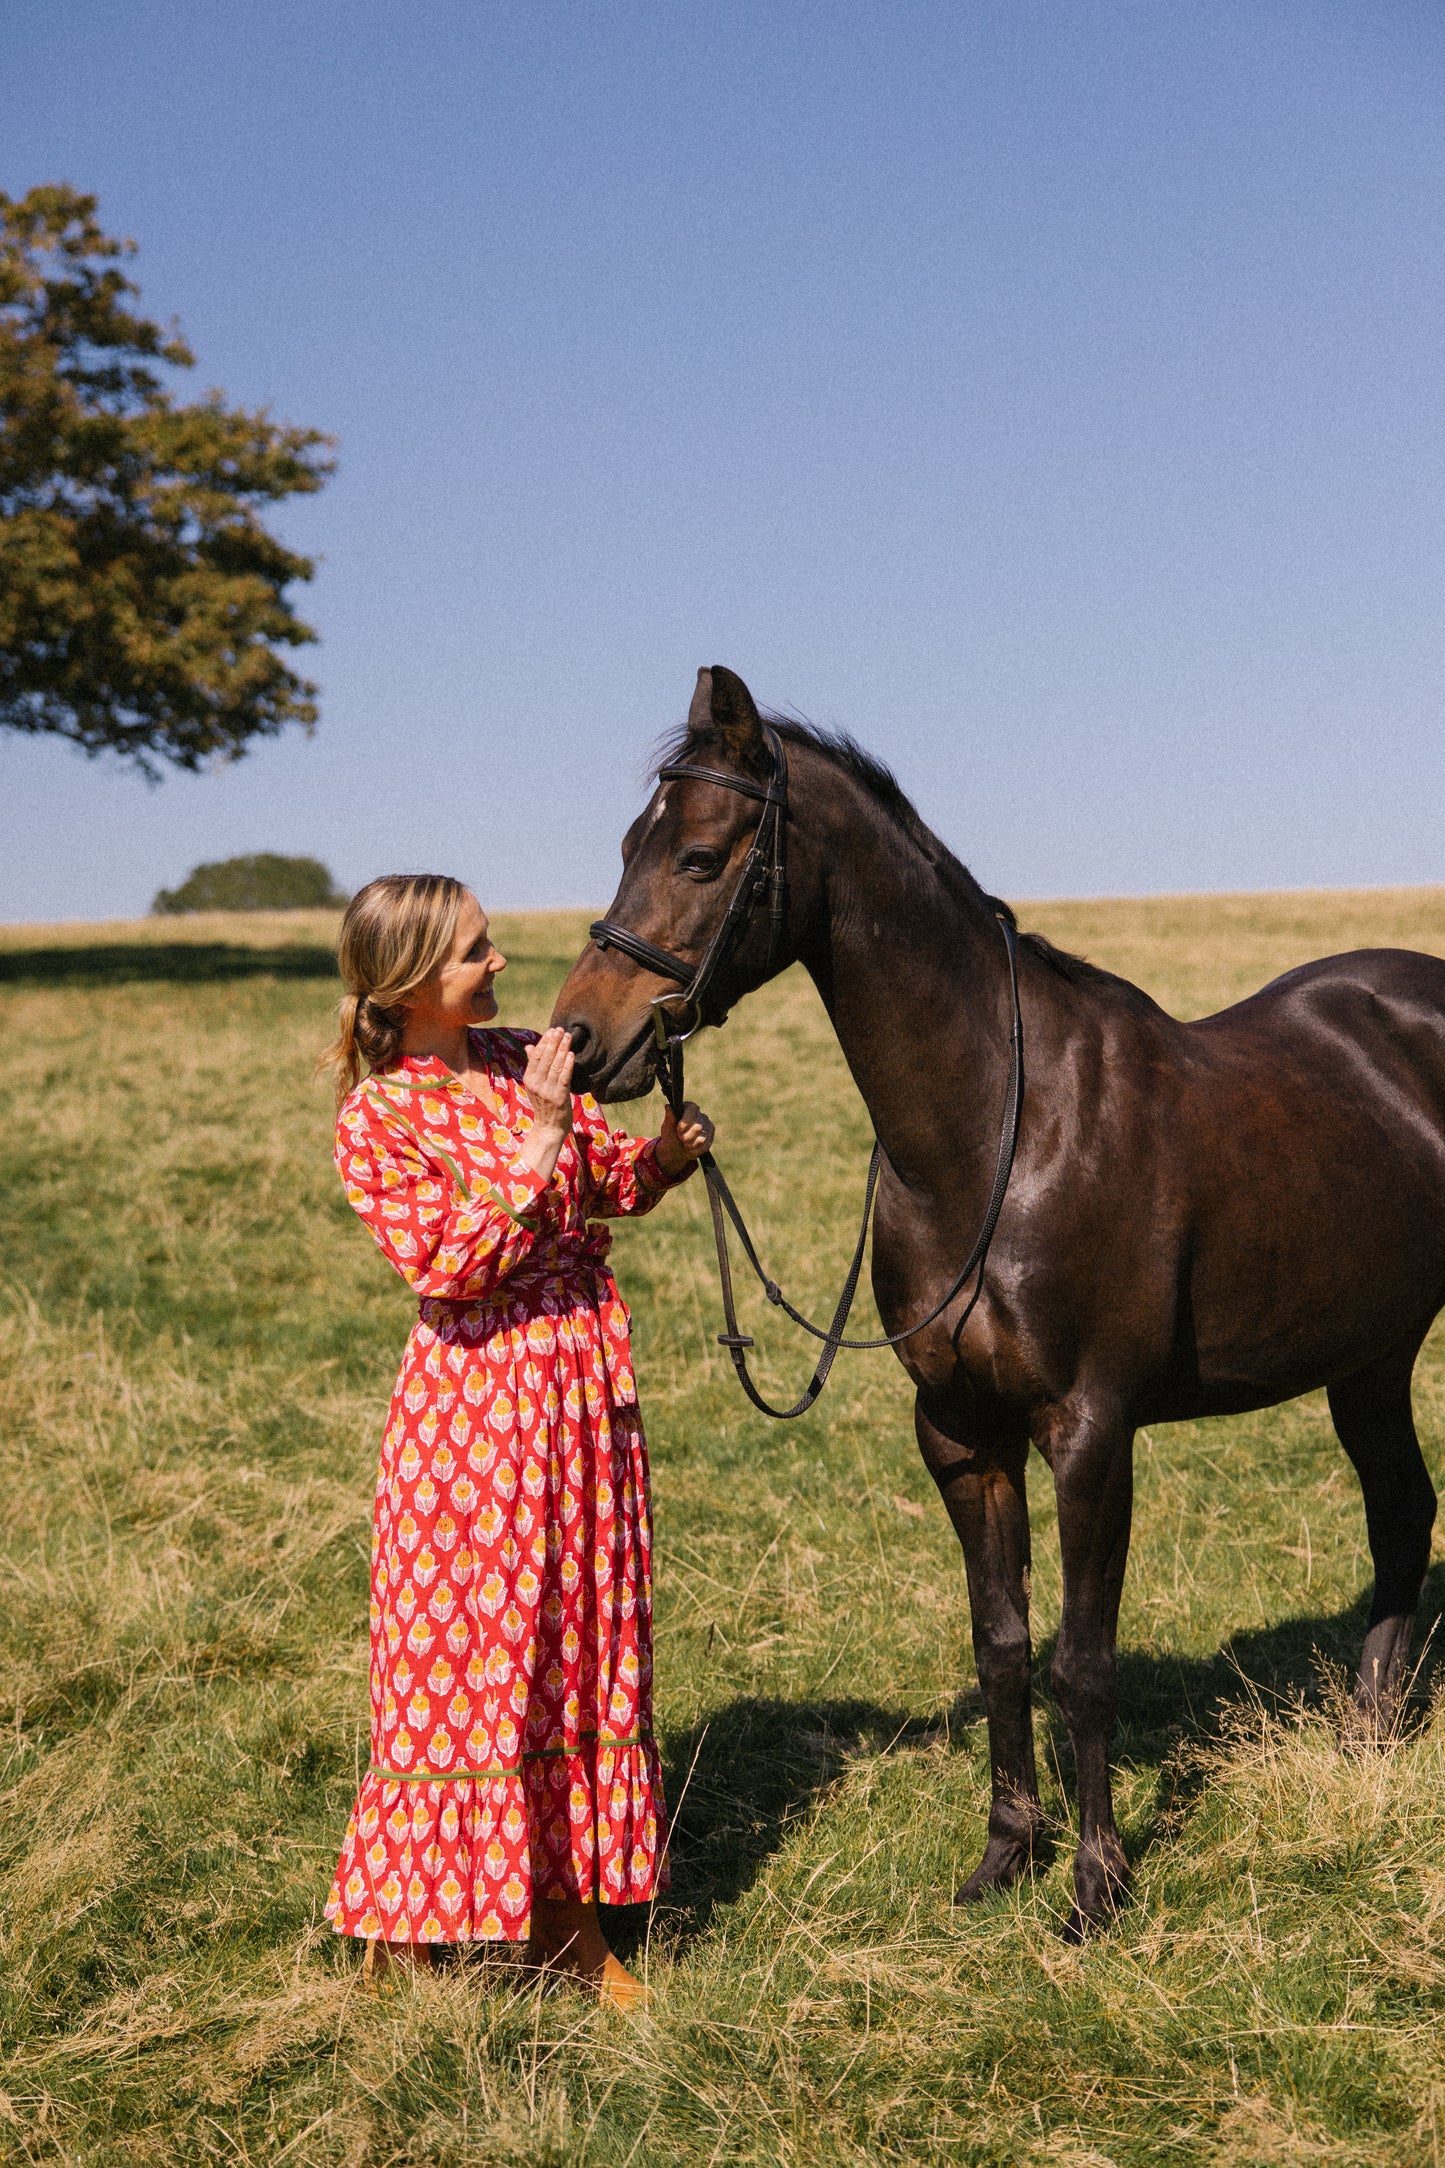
[{"x": 514, "y": 1780}]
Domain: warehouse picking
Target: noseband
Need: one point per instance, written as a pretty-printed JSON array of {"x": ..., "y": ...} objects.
[{"x": 765, "y": 867}]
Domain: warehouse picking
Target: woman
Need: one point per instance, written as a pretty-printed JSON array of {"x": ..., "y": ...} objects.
[{"x": 514, "y": 1781}]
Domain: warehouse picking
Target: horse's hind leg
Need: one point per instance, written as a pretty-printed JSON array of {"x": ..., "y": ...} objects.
[
  {"x": 983, "y": 1489},
  {"x": 1376, "y": 1427},
  {"x": 1092, "y": 1459}
]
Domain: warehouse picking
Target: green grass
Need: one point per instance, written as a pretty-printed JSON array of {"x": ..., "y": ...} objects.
[{"x": 197, "y": 1342}]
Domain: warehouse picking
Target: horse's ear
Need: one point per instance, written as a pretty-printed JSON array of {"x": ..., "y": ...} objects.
[{"x": 722, "y": 703}]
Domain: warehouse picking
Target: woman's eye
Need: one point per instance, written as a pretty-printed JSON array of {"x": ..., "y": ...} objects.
[{"x": 700, "y": 862}]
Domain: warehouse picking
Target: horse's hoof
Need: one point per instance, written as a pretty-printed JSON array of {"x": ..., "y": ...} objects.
[
  {"x": 1081, "y": 1926},
  {"x": 1002, "y": 1865},
  {"x": 1101, "y": 1889},
  {"x": 1370, "y": 1723}
]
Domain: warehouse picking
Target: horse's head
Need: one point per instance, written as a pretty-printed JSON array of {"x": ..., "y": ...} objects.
[{"x": 683, "y": 859}]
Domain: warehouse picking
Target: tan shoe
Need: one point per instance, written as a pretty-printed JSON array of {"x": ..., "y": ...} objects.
[
  {"x": 620, "y": 1989},
  {"x": 388, "y": 1964},
  {"x": 565, "y": 1936}
]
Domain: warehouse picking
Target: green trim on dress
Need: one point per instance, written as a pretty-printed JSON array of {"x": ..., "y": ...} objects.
[
  {"x": 529, "y": 1226},
  {"x": 465, "y": 1776}
]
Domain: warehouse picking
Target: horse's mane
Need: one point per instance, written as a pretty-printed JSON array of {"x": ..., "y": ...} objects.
[{"x": 883, "y": 787}]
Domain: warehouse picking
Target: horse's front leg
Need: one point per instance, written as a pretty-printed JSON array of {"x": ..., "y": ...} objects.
[
  {"x": 983, "y": 1489},
  {"x": 1093, "y": 1464}
]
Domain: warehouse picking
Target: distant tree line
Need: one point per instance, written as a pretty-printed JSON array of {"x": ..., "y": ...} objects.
[{"x": 263, "y": 882}]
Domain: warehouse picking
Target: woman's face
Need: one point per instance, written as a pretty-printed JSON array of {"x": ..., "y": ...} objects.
[{"x": 459, "y": 991}]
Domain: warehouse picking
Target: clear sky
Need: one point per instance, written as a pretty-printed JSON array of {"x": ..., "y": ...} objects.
[{"x": 1049, "y": 392}]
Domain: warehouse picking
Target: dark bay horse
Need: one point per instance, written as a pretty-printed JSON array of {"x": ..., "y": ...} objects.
[{"x": 1202, "y": 1218}]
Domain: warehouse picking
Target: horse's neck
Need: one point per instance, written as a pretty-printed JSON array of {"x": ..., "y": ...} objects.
[{"x": 912, "y": 967}]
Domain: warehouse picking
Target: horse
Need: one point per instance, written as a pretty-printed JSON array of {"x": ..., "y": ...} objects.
[{"x": 1202, "y": 1218}]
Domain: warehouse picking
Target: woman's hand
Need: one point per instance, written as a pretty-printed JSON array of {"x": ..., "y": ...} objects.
[
  {"x": 684, "y": 1141},
  {"x": 547, "y": 1081}
]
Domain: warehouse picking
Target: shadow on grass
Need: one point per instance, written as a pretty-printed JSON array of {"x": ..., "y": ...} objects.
[
  {"x": 1162, "y": 1698},
  {"x": 737, "y": 1783},
  {"x": 122, "y": 963},
  {"x": 1171, "y": 1702}
]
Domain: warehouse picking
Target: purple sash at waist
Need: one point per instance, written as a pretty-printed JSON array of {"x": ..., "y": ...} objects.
[{"x": 568, "y": 1285}]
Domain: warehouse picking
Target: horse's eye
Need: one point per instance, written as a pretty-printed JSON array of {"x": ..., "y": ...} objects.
[{"x": 700, "y": 862}]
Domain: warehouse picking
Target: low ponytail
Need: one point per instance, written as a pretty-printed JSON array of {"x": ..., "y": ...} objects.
[
  {"x": 344, "y": 1054},
  {"x": 396, "y": 932}
]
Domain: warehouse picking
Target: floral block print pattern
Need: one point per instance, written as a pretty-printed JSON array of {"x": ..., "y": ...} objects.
[{"x": 511, "y": 1647}]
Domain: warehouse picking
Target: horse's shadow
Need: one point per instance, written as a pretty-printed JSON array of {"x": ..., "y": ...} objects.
[{"x": 738, "y": 1782}]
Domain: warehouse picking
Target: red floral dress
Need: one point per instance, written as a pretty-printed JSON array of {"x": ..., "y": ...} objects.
[{"x": 511, "y": 1641}]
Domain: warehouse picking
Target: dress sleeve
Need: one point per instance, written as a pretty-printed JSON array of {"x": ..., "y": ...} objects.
[
  {"x": 446, "y": 1237},
  {"x": 620, "y": 1174}
]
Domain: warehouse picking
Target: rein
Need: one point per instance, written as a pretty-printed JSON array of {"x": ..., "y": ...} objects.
[{"x": 766, "y": 867}]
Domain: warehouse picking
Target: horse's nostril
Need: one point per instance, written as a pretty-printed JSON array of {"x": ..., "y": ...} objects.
[{"x": 582, "y": 1036}]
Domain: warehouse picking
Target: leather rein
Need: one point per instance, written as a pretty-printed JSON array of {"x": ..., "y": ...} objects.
[{"x": 765, "y": 871}]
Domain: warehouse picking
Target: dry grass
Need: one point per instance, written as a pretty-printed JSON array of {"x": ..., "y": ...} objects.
[
  {"x": 196, "y": 1344},
  {"x": 250, "y": 929},
  {"x": 553, "y": 932},
  {"x": 1196, "y": 953}
]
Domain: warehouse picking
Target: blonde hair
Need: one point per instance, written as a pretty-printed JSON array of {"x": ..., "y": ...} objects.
[{"x": 396, "y": 932}]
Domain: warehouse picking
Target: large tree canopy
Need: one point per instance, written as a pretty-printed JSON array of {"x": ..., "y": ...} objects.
[{"x": 142, "y": 601}]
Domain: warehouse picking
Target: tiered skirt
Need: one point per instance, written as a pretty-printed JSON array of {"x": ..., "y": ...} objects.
[{"x": 512, "y": 1754}]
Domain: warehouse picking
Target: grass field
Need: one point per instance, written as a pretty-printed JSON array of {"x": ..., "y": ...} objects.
[{"x": 197, "y": 1342}]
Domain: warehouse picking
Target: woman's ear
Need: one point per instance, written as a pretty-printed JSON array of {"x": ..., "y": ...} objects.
[{"x": 723, "y": 706}]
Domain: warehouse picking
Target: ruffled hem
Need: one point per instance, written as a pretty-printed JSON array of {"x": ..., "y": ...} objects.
[{"x": 459, "y": 1859}]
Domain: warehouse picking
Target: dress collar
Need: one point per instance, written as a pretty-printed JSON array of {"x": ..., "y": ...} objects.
[
  {"x": 428, "y": 1072},
  {"x": 420, "y": 1072}
]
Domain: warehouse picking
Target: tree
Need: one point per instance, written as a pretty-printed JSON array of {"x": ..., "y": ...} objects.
[
  {"x": 264, "y": 882},
  {"x": 142, "y": 601}
]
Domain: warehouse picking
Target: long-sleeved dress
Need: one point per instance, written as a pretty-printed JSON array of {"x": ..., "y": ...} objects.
[{"x": 511, "y": 1650}]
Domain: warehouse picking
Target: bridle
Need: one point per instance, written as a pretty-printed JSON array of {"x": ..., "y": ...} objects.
[{"x": 765, "y": 867}]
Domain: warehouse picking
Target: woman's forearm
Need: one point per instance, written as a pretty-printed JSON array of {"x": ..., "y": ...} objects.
[{"x": 539, "y": 1148}]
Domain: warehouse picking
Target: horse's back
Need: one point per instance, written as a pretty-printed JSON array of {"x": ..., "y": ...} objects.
[
  {"x": 1371, "y": 1005},
  {"x": 1351, "y": 1048},
  {"x": 1315, "y": 1152},
  {"x": 1395, "y": 975}
]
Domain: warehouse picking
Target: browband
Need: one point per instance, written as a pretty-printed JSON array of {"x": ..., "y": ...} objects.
[{"x": 766, "y": 793}]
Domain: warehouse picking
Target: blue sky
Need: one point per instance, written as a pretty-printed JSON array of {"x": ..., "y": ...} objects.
[{"x": 1051, "y": 394}]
